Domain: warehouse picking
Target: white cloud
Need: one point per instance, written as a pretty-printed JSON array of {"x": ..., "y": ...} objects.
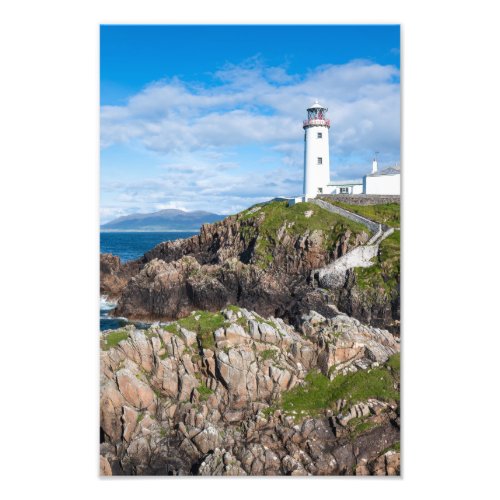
[
  {"x": 197, "y": 184},
  {"x": 199, "y": 129},
  {"x": 252, "y": 104}
]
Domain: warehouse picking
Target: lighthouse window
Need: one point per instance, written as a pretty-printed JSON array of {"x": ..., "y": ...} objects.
[
  {"x": 320, "y": 160},
  {"x": 320, "y": 135}
]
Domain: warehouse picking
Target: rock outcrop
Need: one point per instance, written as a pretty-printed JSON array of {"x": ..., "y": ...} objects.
[
  {"x": 256, "y": 259},
  {"x": 206, "y": 396}
]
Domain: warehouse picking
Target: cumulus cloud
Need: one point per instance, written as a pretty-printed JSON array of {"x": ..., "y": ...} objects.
[
  {"x": 253, "y": 104},
  {"x": 199, "y": 131}
]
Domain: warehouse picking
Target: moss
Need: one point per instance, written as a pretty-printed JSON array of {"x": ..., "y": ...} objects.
[
  {"x": 384, "y": 213},
  {"x": 114, "y": 338},
  {"x": 140, "y": 416},
  {"x": 204, "y": 392},
  {"x": 268, "y": 354},
  {"x": 358, "y": 426},
  {"x": 394, "y": 362},
  {"x": 243, "y": 322},
  {"x": 319, "y": 393},
  {"x": 204, "y": 326},
  {"x": 393, "y": 447},
  {"x": 276, "y": 215},
  {"x": 172, "y": 328}
]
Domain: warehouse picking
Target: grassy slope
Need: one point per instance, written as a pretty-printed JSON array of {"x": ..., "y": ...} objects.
[
  {"x": 319, "y": 393},
  {"x": 203, "y": 323},
  {"x": 113, "y": 338},
  {"x": 275, "y": 214},
  {"x": 386, "y": 213}
]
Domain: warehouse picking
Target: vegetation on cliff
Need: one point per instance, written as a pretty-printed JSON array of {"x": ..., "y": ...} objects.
[
  {"x": 170, "y": 408},
  {"x": 203, "y": 323},
  {"x": 384, "y": 275},
  {"x": 260, "y": 259},
  {"x": 113, "y": 339},
  {"x": 319, "y": 393},
  {"x": 275, "y": 217},
  {"x": 384, "y": 213}
]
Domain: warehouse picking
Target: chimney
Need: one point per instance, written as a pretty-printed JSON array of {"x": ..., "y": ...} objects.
[{"x": 374, "y": 166}]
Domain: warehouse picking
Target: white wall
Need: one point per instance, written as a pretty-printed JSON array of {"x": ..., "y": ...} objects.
[
  {"x": 315, "y": 175},
  {"x": 383, "y": 184}
]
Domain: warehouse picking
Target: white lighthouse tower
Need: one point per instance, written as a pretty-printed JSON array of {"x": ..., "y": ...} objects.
[{"x": 316, "y": 151}]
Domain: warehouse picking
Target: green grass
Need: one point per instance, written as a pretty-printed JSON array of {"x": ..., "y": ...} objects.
[
  {"x": 243, "y": 322},
  {"x": 172, "y": 328},
  {"x": 204, "y": 392},
  {"x": 204, "y": 326},
  {"x": 385, "y": 213},
  {"x": 114, "y": 338},
  {"x": 394, "y": 362},
  {"x": 384, "y": 275},
  {"x": 320, "y": 393},
  {"x": 273, "y": 216},
  {"x": 394, "y": 447},
  {"x": 268, "y": 354},
  {"x": 358, "y": 426}
]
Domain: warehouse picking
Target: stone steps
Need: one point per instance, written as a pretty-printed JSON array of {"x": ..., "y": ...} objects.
[{"x": 332, "y": 276}]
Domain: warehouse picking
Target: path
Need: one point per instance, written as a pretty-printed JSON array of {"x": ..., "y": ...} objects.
[{"x": 332, "y": 276}]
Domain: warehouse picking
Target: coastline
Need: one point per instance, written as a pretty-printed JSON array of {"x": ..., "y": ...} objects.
[{"x": 101, "y": 230}]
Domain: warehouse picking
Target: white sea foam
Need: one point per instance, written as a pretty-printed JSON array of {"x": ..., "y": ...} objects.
[{"x": 105, "y": 304}]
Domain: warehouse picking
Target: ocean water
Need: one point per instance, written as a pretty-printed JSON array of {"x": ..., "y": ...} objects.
[{"x": 129, "y": 246}]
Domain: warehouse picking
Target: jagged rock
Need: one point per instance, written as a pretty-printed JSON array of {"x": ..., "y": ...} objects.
[
  {"x": 206, "y": 440},
  {"x": 386, "y": 465},
  {"x": 220, "y": 266},
  {"x": 104, "y": 467},
  {"x": 221, "y": 463},
  {"x": 136, "y": 392},
  {"x": 111, "y": 405},
  {"x": 175, "y": 410}
]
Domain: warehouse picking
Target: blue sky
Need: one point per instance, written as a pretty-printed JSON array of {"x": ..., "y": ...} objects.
[{"x": 209, "y": 117}]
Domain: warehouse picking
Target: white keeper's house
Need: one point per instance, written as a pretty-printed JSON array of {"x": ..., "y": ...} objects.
[{"x": 317, "y": 164}]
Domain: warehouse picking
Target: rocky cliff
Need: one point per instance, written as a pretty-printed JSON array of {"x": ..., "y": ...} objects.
[
  {"x": 260, "y": 259},
  {"x": 232, "y": 393}
]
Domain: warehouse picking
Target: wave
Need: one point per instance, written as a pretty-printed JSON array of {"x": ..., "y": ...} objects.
[{"x": 106, "y": 304}]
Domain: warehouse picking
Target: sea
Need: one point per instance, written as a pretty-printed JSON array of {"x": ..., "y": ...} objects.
[{"x": 129, "y": 246}]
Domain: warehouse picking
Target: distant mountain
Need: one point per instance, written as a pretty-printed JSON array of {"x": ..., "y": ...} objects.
[{"x": 164, "y": 220}]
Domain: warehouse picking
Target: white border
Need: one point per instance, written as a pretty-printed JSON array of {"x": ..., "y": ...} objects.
[{"x": 49, "y": 203}]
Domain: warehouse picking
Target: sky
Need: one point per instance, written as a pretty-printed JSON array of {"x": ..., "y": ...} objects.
[{"x": 210, "y": 117}]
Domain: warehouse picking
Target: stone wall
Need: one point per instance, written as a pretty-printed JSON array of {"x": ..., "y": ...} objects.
[
  {"x": 372, "y": 226},
  {"x": 362, "y": 199}
]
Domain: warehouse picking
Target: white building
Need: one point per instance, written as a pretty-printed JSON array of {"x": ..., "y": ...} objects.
[
  {"x": 387, "y": 181},
  {"x": 317, "y": 164},
  {"x": 316, "y": 151}
]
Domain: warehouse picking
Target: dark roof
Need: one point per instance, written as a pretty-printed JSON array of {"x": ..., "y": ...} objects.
[{"x": 387, "y": 171}]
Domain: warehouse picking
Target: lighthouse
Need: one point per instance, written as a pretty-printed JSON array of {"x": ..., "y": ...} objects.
[{"x": 316, "y": 151}]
